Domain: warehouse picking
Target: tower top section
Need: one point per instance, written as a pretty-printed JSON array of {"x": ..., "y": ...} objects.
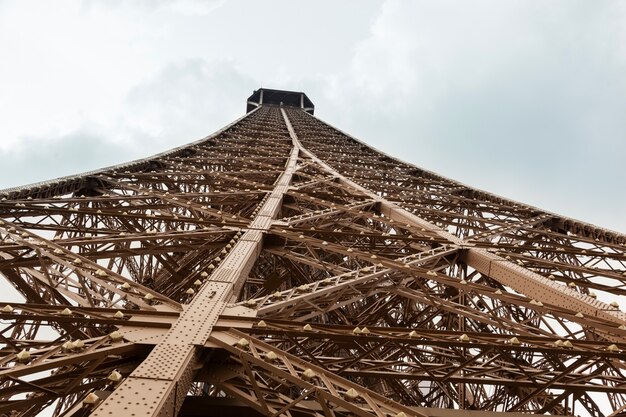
[{"x": 279, "y": 98}]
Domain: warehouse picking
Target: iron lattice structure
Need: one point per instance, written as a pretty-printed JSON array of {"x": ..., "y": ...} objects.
[{"x": 282, "y": 267}]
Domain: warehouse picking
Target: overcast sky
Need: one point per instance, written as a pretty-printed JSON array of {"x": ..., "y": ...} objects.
[{"x": 526, "y": 99}]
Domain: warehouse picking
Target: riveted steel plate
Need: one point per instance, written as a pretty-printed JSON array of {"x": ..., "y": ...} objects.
[
  {"x": 244, "y": 252},
  {"x": 538, "y": 287},
  {"x": 138, "y": 397},
  {"x": 165, "y": 361},
  {"x": 145, "y": 335},
  {"x": 196, "y": 322},
  {"x": 271, "y": 206},
  {"x": 210, "y": 291},
  {"x": 261, "y": 222},
  {"x": 281, "y": 188},
  {"x": 223, "y": 274},
  {"x": 199, "y": 326},
  {"x": 252, "y": 236},
  {"x": 182, "y": 387}
]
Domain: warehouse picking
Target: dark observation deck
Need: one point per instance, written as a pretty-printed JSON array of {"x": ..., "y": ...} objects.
[{"x": 279, "y": 98}]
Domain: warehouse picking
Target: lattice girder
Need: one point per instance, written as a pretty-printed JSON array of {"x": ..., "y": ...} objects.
[{"x": 221, "y": 271}]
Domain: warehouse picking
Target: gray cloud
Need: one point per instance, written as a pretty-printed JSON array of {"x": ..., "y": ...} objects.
[
  {"x": 186, "y": 101},
  {"x": 79, "y": 151},
  {"x": 521, "y": 99},
  {"x": 524, "y": 99},
  {"x": 181, "y": 103}
]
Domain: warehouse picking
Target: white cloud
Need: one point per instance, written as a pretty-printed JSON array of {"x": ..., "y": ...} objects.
[
  {"x": 519, "y": 98},
  {"x": 181, "y": 103},
  {"x": 524, "y": 99},
  {"x": 184, "y": 101},
  {"x": 183, "y": 7},
  {"x": 192, "y": 7},
  {"x": 64, "y": 65}
]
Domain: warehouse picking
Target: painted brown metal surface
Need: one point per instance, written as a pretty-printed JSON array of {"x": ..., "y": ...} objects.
[{"x": 282, "y": 267}]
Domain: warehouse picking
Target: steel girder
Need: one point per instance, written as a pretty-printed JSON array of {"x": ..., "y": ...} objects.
[{"x": 282, "y": 267}]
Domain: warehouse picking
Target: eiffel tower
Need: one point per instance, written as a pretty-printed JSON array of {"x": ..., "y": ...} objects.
[{"x": 281, "y": 267}]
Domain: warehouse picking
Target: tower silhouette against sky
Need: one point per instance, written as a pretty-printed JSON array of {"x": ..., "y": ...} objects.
[{"x": 282, "y": 267}]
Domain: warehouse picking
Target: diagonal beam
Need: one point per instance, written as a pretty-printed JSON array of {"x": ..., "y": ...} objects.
[
  {"x": 492, "y": 265},
  {"x": 326, "y": 384},
  {"x": 167, "y": 373}
]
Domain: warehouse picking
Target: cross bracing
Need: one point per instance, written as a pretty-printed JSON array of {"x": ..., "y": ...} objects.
[{"x": 282, "y": 267}]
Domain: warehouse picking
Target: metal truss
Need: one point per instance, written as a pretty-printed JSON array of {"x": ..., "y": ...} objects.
[{"x": 282, "y": 267}]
